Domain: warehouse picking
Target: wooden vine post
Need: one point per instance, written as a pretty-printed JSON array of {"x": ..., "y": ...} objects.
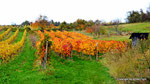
[
  {"x": 96, "y": 52},
  {"x": 45, "y": 57},
  {"x": 82, "y": 54},
  {"x": 90, "y": 56},
  {"x": 70, "y": 52}
]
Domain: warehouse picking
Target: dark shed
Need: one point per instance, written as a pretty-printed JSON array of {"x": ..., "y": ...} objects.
[{"x": 135, "y": 36}]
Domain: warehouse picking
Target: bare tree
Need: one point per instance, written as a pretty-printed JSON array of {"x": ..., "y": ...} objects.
[
  {"x": 42, "y": 20},
  {"x": 98, "y": 22},
  {"x": 97, "y": 29},
  {"x": 116, "y": 23}
]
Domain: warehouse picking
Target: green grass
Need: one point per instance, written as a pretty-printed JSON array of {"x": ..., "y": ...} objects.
[
  {"x": 19, "y": 37},
  {"x": 105, "y": 37},
  {"x": 20, "y": 70},
  {"x": 137, "y": 27},
  {"x": 132, "y": 27},
  {"x": 117, "y": 38},
  {"x": 78, "y": 71}
]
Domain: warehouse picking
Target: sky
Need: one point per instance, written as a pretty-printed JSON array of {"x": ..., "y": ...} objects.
[{"x": 17, "y": 11}]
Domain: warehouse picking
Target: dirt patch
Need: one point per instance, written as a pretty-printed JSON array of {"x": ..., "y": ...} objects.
[{"x": 33, "y": 39}]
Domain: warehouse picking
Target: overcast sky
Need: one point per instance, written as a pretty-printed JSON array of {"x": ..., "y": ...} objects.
[{"x": 17, "y": 11}]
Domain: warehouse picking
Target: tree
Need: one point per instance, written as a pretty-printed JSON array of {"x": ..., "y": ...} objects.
[
  {"x": 34, "y": 25},
  {"x": 138, "y": 16},
  {"x": 80, "y": 24},
  {"x": 90, "y": 23},
  {"x": 133, "y": 16},
  {"x": 143, "y": 16},
  {"x": 148, "y": 14},
  {"x": 71, "y": 26},
  {"x": 43, "y": 22},
  {"x": 63, "y": 26},
  {"x": 97, "y": 30},
  {"x": 97, "y": 22},
  {"x": 56, "y": 23},
  {"x": 25, "y": 23},
  {"x": 116, "y": 23},
  {"x": 52, "y": 22}
]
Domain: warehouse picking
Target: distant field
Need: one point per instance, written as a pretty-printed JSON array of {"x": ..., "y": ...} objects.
[
  {"x": 136, "y": 27},
  {"x": 117, "y": 38},
  {"x": 133, "y": 27},
  {"x": 104, "y": 37}
]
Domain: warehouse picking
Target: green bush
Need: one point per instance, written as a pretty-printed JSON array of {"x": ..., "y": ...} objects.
[{"x": 103, "y": 31}]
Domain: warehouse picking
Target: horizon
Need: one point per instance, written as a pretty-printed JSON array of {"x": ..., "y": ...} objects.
[{"x": 17, "y": 11}]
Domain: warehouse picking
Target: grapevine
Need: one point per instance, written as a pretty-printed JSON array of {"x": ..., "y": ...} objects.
[
  {"x": 7, "y": 51},
  {"x": 64, "y": 42},
  {"x": 11, "y": 39},
  {"x": 4, "y": 34}
]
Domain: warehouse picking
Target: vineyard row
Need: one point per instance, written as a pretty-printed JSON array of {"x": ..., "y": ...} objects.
[
  {"x": 65, "y": 42},
  {"x": 8, "y": 51},
  {"x": 11, "y": 39},
  {"x": 4, "y": 34}
]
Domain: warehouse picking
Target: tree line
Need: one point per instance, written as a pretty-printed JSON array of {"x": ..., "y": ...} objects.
[
  {"x": 79, "y": 24},
  {"x": 138, "y": 16}
]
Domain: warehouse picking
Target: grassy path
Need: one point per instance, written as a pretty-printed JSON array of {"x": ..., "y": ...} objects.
[
  {"x": 18, "y": 69},
  {"x": 78, "y": 71}
]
